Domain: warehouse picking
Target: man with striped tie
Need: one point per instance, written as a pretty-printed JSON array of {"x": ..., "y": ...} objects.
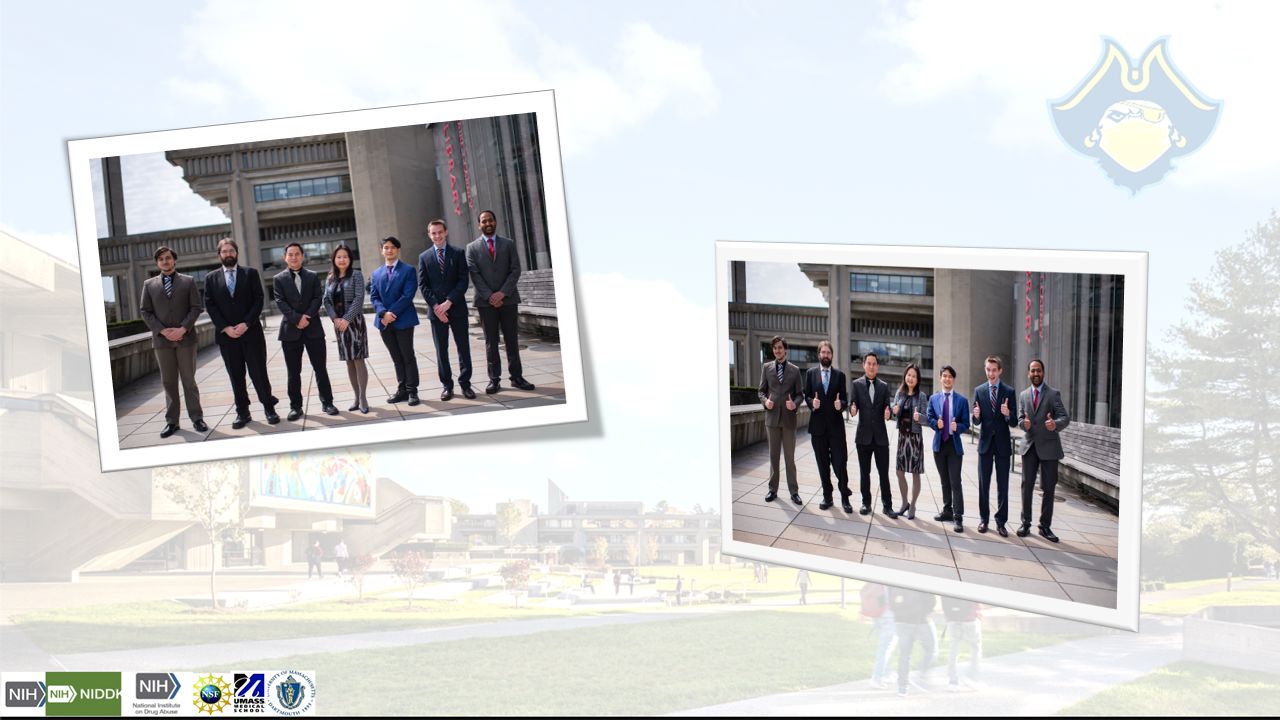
[
  {"x": 781, "y": 392},
  {"x": 994, "y": 414},
  {"x": 442, "y": 277},
  {"x": 1041, "y": 415},
  {"x": 170, "y": 305}
]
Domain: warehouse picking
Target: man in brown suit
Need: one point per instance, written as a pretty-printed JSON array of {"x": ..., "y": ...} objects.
[
  {"x": 781, "y": 392},
  {"x": 170, "y": 305}
]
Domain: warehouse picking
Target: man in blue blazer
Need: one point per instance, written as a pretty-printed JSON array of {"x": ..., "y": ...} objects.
[
  {"x": 391, "y": 290},
  {"x": 994, "y": 412},
  {"x": 442, "y": 276},
  {"x": 949, "y": 417}
]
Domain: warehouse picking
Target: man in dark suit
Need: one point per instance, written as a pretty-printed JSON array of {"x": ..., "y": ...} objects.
[
  {"x": 825, "y": 394},
  {"x": 949, "y": 417},
  {"x": 994, "y": 414},
  {"x": 871, "y": 398},
  {"x": 780, "y": 391},
  {"x": 442, "y": 276},
  {"x": 495, "y": 272},
  {"x": 170, "y": 305},
  {"x": 233, "y": 296},
  {"x": 391, "y": 290},
  {"x": 298, "y": 293},
  {"x": 1041, "y": 415}
]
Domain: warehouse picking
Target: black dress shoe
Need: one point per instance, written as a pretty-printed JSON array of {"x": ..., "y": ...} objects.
[
  {"x": 825, "y": 504},
  {"x": 795, "y": 498},
  {"x": 169, "y": 429},
  {"x": 468, "y": 393},
  {"x": 240, "y": 421},
  {"x": 771, "y": 496},
  {"x": 272, "y": 417},
  {"x": 864, "y": 510},
  {"x": 446, "y": 395},
  {"x": 982, "y": 526},
  {"x": 1024, "y": 530},
  {"x": 1004, "y": 532},
  {"x": 294, "y": 414},
  {"x": 200, "y": 426},
  {"x": 959, "y": 525},
  {"x": 522, "y": 383},
  {"x": 889, "y": 513},
  {"x": 329, "y": 409},
  {"x": 944, "y": 517},
  {"x": 492, "y": 387},
  {"x": 413, "y": 398},
  {"x": 354, "y": 407},
  {"x": 846, "y": 507},
  {"x": 399, "y": 397},
  {"x": 1047, "y": 534}
]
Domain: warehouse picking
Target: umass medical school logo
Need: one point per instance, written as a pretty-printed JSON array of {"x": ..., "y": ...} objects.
[{"x": 1135, "y": 118}]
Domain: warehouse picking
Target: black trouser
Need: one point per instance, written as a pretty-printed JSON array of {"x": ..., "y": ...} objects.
[
  {"x": 1031, "y": 462},
  {"x": 948, "y": 463},
  {"x": 881, "y": 453},
  {"x": 315, "y": 347},
  {"x": 831, "y": 452},
  {"x": 249, "y": 351},
  {"x": 1001, "y": 462},
  {"x": 507, "y": 318},
  {"x": 440, "y": 335},
  {"x": 400, "y": 344}
]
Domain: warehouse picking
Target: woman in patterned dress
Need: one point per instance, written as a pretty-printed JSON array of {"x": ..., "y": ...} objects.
[
  {"x": 344, "y": 302},
  {"x": 909, "y": 406}
]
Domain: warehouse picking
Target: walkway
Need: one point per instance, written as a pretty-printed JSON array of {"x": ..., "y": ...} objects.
[
  {"x": 1082, "y": 567},
  {"x": 140, "y": 405}
]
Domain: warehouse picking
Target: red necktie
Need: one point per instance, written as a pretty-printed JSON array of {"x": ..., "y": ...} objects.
[{"x": 1035, "y": 400}]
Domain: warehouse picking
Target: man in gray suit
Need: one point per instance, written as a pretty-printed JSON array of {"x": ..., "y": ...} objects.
[
  {"x": 494, "y": 266},
  {"x": 1041, "y": 415},
  {"x": 298, "y": 293},
  {"x": 170, "y": 305},
  {"x": 781, "y": 392}
]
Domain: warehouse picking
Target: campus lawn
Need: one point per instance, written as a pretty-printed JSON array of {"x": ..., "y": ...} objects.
[
  {"x": 1187, "y": 688},
  {"x": 655, "y": 667},
  {"x": 1268, "y": 594},
  {"x": 168, "y": 622}
]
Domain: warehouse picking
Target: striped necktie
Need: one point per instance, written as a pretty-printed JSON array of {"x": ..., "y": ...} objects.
[
  {"x": 993, "y": 398},
  {"x": 780, "y": 369},
  {"x": 440, "y": 259},
  {"x": 231, "y": 282},
  {"x": 168, "y": 286}
]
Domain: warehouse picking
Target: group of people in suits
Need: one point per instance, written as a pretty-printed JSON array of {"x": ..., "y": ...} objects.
[
  {"x": 234, "y": 299},
  {"x": 996, "y": 408}
]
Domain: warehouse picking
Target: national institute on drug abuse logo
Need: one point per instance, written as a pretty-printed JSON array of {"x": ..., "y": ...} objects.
[{"x": 1134, "y": 118}]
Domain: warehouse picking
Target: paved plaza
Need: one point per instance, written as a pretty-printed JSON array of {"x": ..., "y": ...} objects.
[
  {"x": 1081, "y": 568},
  {"x": 140, "y": 405}
]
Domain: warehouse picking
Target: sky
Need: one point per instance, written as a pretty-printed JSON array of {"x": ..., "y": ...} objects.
[{"x": 682, "y": 124}]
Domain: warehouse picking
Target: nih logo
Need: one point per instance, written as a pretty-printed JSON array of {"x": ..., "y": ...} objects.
[
  {"x": 157, "y": 686},
  {"x": 24, "y": 694}
]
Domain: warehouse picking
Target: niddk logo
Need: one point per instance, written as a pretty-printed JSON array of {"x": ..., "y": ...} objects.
[
  {"x": 82, "y": 693},
  {"x": 291, "y": 692},
  {"x": 1135, "y": 118}
]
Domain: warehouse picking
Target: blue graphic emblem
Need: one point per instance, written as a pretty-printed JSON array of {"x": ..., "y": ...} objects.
[
  {"x": 290, "y": 693},
  {"x": 1135, "y": 118}
]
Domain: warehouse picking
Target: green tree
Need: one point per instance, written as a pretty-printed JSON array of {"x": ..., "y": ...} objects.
[
  {"x": 651, "y": 549},
  {"x": 510, "y": 519},
  {"x": 1211, "y": 431},
  {"x": 599, "y": 554},
  {"x": 662, "y": 507},
  {"x": 457, "y": 507},
  {"x": 213, "y": 496}
]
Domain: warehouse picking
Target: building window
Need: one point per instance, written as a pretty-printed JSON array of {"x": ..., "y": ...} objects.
[
  {"x": 894, "y": 353},
  {"x": 291, "y": 189},
  {"x": 890, "y": 284},
  {"x": 796, "y": 354}
]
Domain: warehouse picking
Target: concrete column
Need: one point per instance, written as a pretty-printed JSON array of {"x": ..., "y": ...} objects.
[
  {"x": 277, "y": 548},
  {"x": 395, "y": 191}
]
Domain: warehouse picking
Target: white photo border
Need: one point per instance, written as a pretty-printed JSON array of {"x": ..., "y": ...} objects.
[
  {"x": 1132, "y": 265},
  {"x": 81, "y": 152}
]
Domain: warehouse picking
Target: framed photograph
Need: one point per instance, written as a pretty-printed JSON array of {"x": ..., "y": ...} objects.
[
  {"x": 327, "y": 281},
  {"x": 962, "y": 421}
]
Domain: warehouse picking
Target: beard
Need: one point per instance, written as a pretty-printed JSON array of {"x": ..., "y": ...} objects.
[
  {"x": 229, "y": 261},
  {"x": 826, "y": 362}
]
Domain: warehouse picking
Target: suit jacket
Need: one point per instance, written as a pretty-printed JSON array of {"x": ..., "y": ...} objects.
[
  {"x": 791, "y": 386},
  {"x": 160, "y": 311},
  {"x": 871, "y": 428},
  {"x": 394, "y": 291},
  {"x": 225, "y": 310},
  {"x": 499, "y": 273},
  {"x": 1048, "y": 443},
  {"x": 450, "y": 285},
  {"x": 993, "y": 426},
  {"x": 909, "y": 404},
  {"x": 826, "y": 419},
  {"x": 960, "y": 412},
  {"x": 296, "y": 304},
  {"x": 351, "y": 288}
]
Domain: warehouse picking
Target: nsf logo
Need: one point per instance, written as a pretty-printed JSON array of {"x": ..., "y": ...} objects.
[
  {"x": 292, "y": 692},
  {"x": 212, "y": 694}
]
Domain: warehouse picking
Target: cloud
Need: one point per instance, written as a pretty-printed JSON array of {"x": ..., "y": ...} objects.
[
  {"x": 1015, "y": 73},
  {"x": 157, "y": 198},
  {"x": 60, "y": 245},
  {"x": 782, "y": 284},
  {"x": 397, "y": 52}
]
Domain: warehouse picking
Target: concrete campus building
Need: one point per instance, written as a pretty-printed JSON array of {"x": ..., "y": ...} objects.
[{"x": 937, "y": 317}]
